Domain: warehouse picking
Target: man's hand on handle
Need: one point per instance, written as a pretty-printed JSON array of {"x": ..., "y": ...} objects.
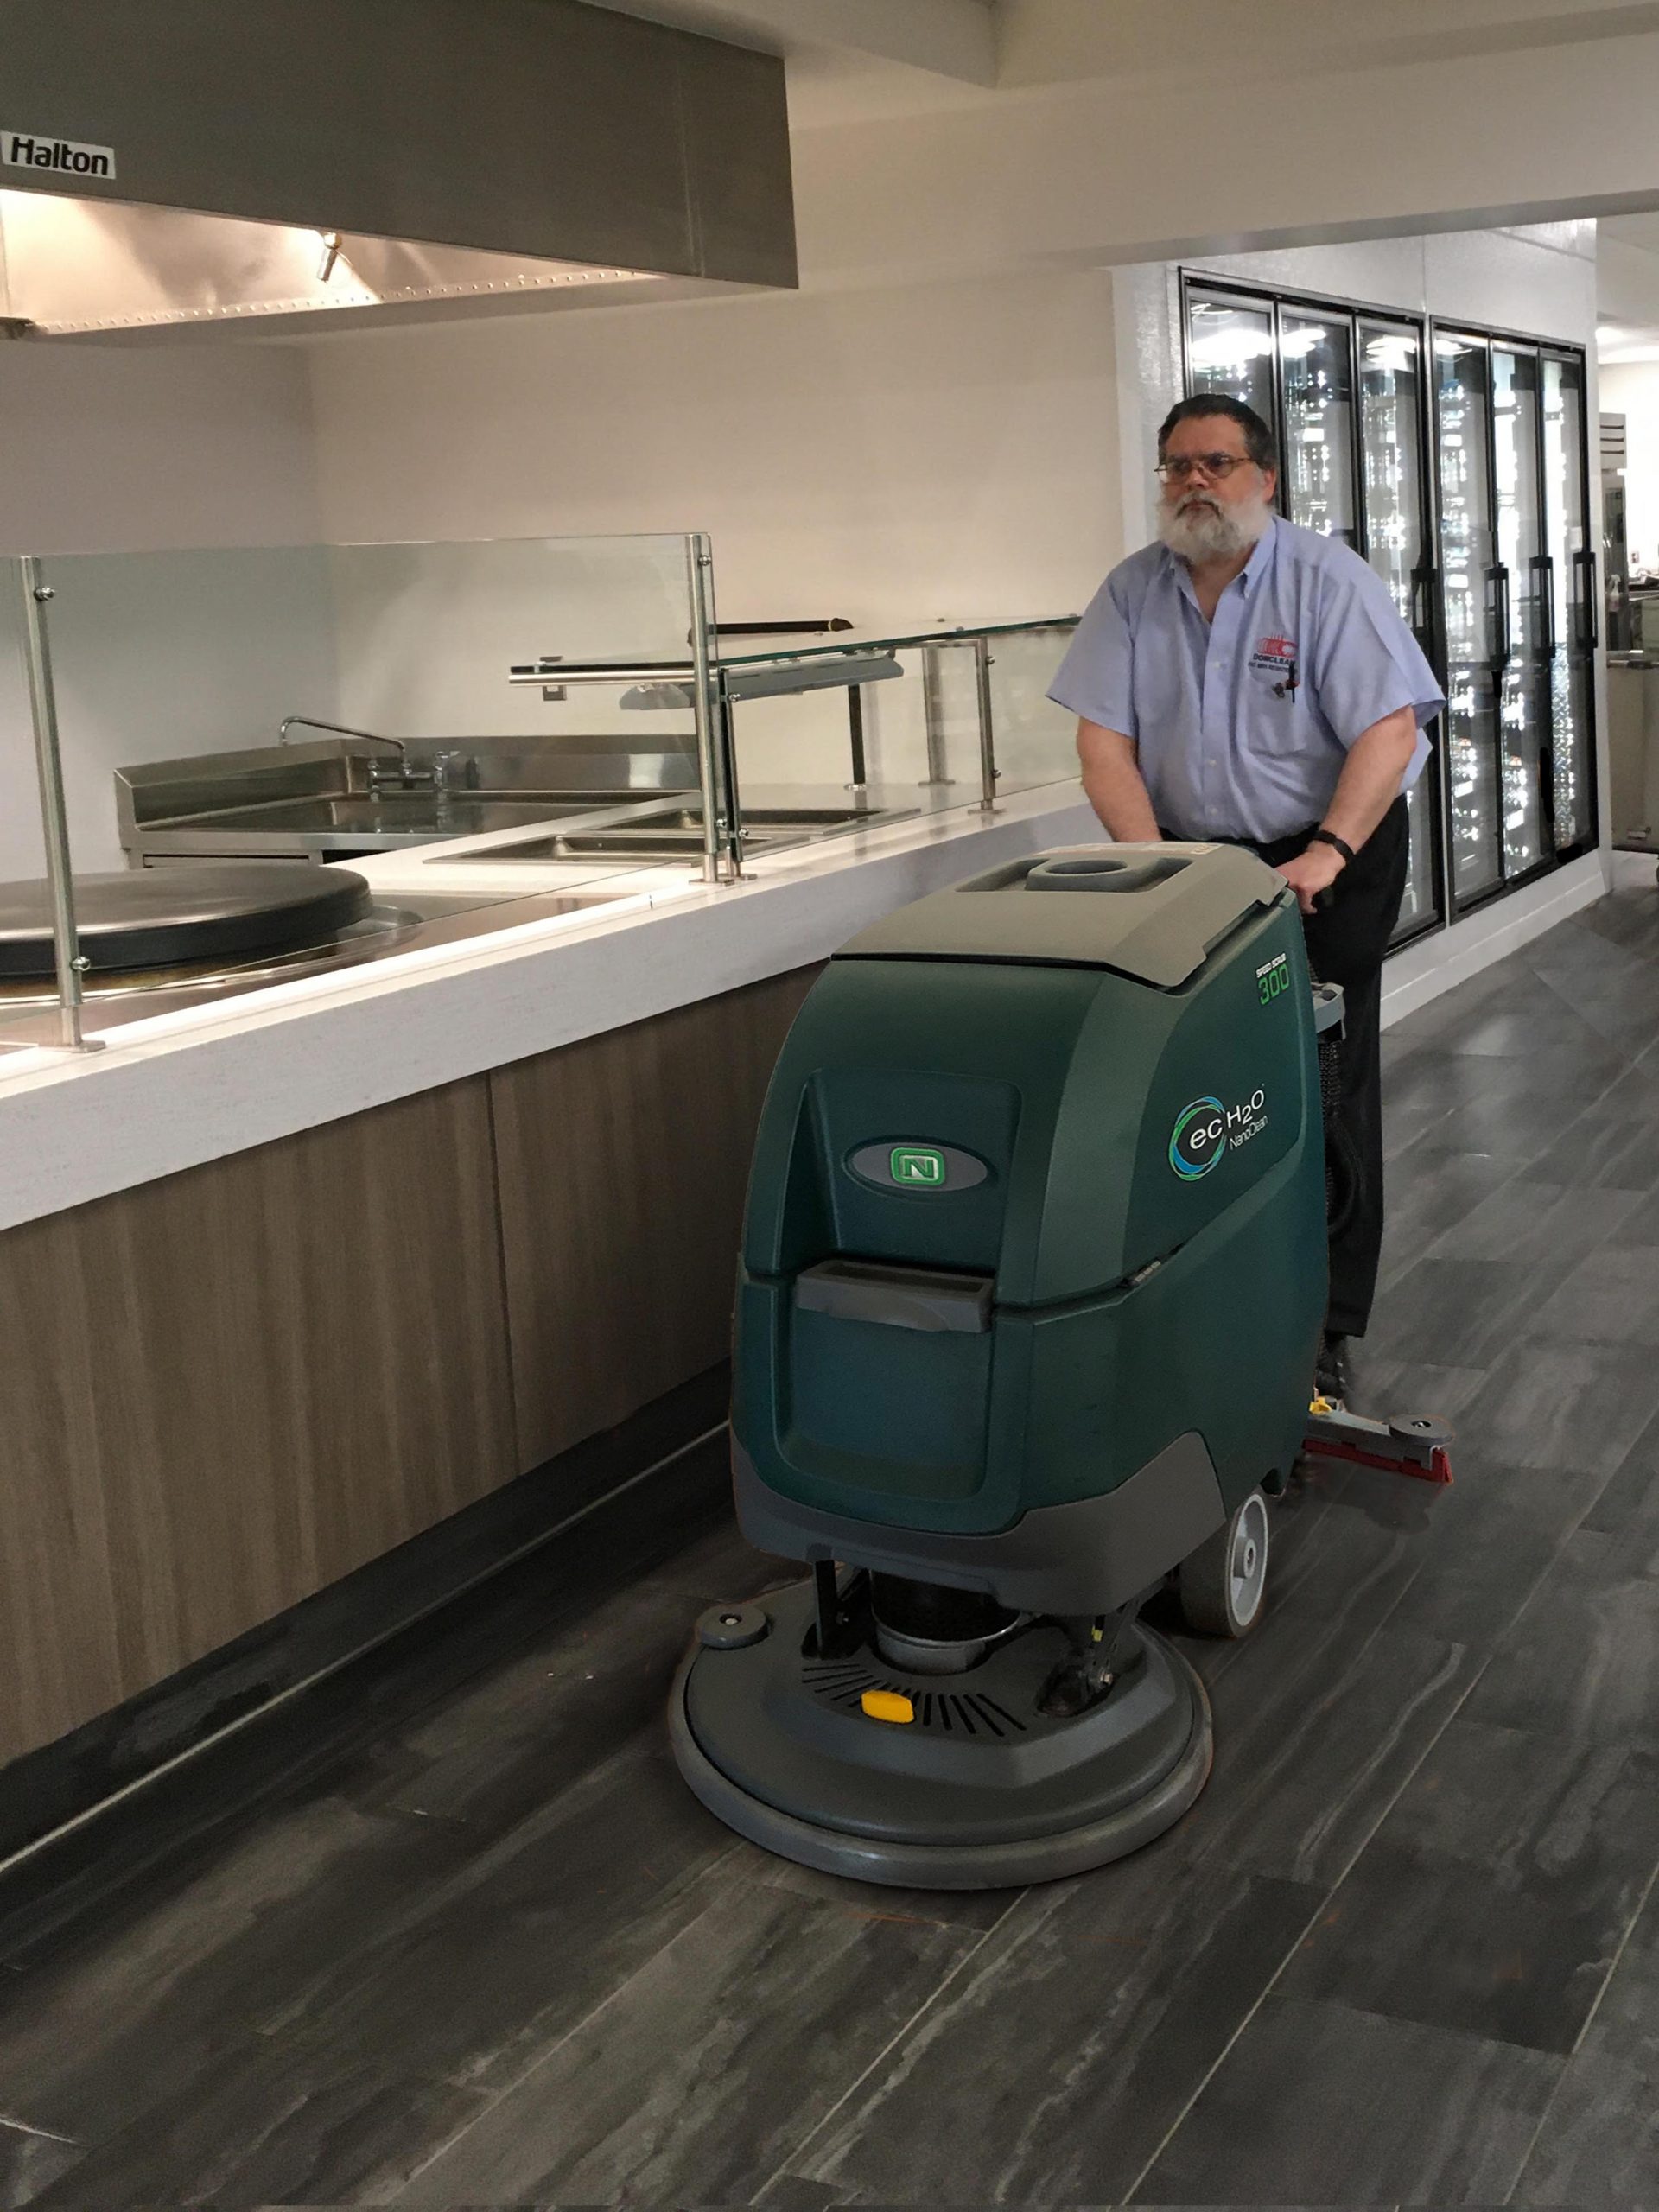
[
  {"x": 1368, "y": 786},
  {"x": 1312, "y": 872}
]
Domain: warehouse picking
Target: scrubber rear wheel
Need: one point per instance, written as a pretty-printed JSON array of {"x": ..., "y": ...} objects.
[{"x": 1222, "y": 1584}]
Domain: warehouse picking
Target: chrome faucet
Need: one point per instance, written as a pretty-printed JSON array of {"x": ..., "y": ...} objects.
[
  {"x": 338, "y": 729},
  {"x": 406, "y": 776},
  {"x": 448, "y": 768}
]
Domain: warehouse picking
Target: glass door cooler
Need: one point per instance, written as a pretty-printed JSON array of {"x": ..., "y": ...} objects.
[
  {"x": 1394, "y": 485},
  {"x": 1230, "y": 348},
  {"x": 1571, "y": 605},
  {"x": 1519, "y": 608},
  {"x": 1344, "y": 394},
  {"x": 1468, "y": 604},
  {"x": 1457, "y": 463},
  {"x": 1316, "y": 357}
]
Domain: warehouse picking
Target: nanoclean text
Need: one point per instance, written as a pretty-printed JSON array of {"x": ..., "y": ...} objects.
[{"x": 1207, "y": 1130}]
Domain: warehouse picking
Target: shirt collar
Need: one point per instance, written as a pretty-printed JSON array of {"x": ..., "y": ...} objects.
[
  {"x": 1249, "y": 575},
  {"x": 1261, "y": 557}
]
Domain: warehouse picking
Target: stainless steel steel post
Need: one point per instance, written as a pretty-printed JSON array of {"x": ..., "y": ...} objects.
[
  {"x": 725, "y": 762},
  {"x": 37, "y": 662},
  {"x": 982, "y": 665},
  {"x": 722, "y": 823},
  {"x": 933, "y": 717},
  {"x": 855, "y": 738}
]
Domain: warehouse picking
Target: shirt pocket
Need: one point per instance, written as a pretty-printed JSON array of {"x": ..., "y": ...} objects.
[{"x": 1277, "y": 723}]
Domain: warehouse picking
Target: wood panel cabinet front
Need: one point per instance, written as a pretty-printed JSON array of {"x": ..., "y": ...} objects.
[
  {"x": 221, "y": 1391},
  {"x": 622, "y": 1163}
]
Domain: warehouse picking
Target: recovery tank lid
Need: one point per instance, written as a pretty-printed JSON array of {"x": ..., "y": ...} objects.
[{"x": 1149, "y": 911}]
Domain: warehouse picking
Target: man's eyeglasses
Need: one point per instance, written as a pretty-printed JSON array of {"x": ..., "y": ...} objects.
[{"x": 1220, "y": 465}]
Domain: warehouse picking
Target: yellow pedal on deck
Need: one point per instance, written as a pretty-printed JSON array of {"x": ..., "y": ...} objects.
[{"x": 888, "y": 1705}]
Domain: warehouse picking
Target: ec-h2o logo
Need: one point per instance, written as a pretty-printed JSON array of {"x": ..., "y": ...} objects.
[{"x": 1206, "y": 1130}]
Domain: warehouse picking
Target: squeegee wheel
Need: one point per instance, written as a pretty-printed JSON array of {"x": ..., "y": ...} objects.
[{"x": 1223, "y": 1583}]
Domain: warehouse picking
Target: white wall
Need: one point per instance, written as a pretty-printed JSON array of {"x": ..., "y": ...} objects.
[
  {"x": 900, "y": 456},
  {"x": 1632, "y": 391},
  {"x": 109, "y": 447},
  {"x": 1540, "y": 280},
  {"x": 161, "y": 654},
  {"x": 937, "y": 450},
  {"x": 114, "y": 448}
]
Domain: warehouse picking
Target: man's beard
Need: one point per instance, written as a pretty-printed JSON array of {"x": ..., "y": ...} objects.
[{"x": 1201, "y": 529}]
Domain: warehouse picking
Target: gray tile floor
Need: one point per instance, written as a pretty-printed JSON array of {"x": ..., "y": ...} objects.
[{"x": 467, "y": 1940}]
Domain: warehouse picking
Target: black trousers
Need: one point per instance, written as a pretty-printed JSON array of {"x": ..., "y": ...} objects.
[{"x": 1346, "y": 944}]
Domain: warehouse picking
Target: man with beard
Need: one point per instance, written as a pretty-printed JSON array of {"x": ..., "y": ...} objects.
[{"x": 1246, "y": 681}]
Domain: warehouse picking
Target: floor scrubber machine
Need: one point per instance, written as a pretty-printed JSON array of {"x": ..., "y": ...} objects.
[{"x": 1033, "y": 1277}]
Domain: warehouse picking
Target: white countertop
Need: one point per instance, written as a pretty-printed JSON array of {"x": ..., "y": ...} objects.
[{"x": 196, "y": 1084}]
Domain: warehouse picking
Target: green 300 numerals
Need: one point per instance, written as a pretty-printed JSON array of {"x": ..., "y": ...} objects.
[{"x": 1270, "y": 986}]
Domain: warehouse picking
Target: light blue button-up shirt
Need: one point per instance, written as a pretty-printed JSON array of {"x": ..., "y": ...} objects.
[{"x": 1242, "y": 725}]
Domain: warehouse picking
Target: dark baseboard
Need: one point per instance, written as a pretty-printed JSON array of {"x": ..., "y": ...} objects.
[{"x": 609, "y": 1507}]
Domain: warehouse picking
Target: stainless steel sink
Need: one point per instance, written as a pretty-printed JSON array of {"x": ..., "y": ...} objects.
[
  {"x": 783, "y": 817},
  {"x": 646, "y": 842},
  {"x": 261, "y": 813},
  {"x": 415, "y": 816},
  {"x": 659, "y": 833}
]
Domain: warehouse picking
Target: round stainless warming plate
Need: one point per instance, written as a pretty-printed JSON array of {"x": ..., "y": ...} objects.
[{"x": 164, "y": 918}]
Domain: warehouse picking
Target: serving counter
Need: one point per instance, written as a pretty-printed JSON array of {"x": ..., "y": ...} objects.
[{"x": 304, "y": 1273}]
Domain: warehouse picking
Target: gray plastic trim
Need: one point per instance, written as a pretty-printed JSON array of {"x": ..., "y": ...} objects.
[
  {"x": 950, "y": 1866},
  {"x": 1085, "y": 1557},
  {"x": 899, "y": 1298},
  {"x": 1104, "y": 872},
  {"x": 1173, "y": 904}
]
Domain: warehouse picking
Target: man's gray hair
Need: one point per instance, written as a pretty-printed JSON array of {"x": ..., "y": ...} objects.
[{"x": 1259, "y": 442}]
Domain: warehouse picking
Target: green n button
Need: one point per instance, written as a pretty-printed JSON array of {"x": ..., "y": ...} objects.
[{"x": 917, "y": 1166}]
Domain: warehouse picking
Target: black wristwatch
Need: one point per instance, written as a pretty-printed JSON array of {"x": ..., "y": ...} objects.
[{"x": 1330, "y": 837}]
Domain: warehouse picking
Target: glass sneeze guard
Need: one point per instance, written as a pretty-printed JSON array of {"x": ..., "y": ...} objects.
[
  {"x": 33, "y": 595},
  {"x": 184, "y": 703},
  {"x": 345, "y": 703},
  {"x": 807, "y": 660}
]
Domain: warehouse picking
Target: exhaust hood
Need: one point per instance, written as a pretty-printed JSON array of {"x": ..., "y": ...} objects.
[
  {"x": 91, "y": 269},
  {"x": 291, "y": 165}
]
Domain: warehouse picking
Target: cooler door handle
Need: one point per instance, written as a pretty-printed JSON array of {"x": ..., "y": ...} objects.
[
  {"x": 1422, "y": 604},
  {"x": 1544, "y": 569},
  {"x": 1589, "y": 608},
  {"x": 1497, "y": 610}
]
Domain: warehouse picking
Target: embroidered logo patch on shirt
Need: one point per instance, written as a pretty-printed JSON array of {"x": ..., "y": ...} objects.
[{"x": 1274, "y": 656}]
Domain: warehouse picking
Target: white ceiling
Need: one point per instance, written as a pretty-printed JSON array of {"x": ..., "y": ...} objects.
[
  {"x": 830, "y": 86},
  {"x": 953, "y": 38},
  {"x": 1627, "y": 289},
  {"x": 852, "y": 61},
  {"x": 1636, "y": 230}
]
